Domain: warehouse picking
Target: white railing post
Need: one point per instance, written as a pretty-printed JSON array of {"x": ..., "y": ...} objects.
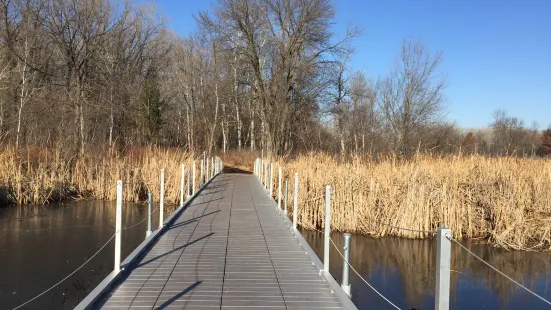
[
  {"x": 286, "y": 195},
  {"x": 193, "y": 180},
  {"x": 118, "y": 227},
  {"x": 295, "y": 203},
  {"x": 345, "y": 267},
  {"x": 443, "y": 262},
  {"x": 201, "y": 175},
  {"x": 271, "y": 180},
  {"x": 162, "y": 199},
  {"x": 182, "y": 184},
  {"x": 279, "y": 190},
  {"x": 149, "y": 207},
  {"x": 188, "y": 183},
  {"x": 207, "y": 171},
  {"x": 264, "y": 176},
  {"x": 327, "y": 225}
]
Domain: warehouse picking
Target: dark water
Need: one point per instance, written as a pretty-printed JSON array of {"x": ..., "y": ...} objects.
[
  {"x": 404, "y": 271},
  {"x": 36, "y": 252}
]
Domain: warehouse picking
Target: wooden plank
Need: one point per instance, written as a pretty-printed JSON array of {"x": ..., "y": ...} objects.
[{"x": 230, "y": 249}]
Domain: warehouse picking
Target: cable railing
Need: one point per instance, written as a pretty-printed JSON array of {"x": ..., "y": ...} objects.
[
  {"x": 67, "y": 277},
  {"x": 207, "y": 173},
  {"x": 264, "y": 171},
  {"x": 450, "y": 238}
]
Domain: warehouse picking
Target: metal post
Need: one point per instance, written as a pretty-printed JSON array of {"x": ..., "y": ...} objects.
[
  {"x": 271, "y": 179},
  {"x": 182, "y": 183},
  {"x": 345, "y": 267},
  {"x": 295, "y": 203},
  {"x": 149, "y": 205},
  {"x": 188, "y": 183},
  {"x": 286, "y": 192},
  {"x": 265, "y": 176},
  {"x": 201, "y": 175},
  {"x": 207, "y": 171},
  {"x": 193, "y": 180},
  {"x": 443, "y": 258},
  {"x": 213, "y": 170},
  {"x": 279, "y": 190},
  {"x": 327, "y": 228},
  {"x": 118, "y": 227},
  {"x": 162, "y": 199}
]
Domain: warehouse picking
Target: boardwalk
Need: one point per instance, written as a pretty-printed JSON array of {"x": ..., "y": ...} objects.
[{"x": 229, "y": 249}]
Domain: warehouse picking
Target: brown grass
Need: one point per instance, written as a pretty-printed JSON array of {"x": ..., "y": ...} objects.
[
  {"x": 506, "y": 201},
  {"x": 38, "y": 175}
]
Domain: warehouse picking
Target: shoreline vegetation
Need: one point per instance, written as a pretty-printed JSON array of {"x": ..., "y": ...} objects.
[
  {"x": 505, "y": 201},
  {"x": 37, "y": 175}
]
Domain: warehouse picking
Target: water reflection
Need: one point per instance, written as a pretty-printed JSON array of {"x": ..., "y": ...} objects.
[
  {"x": 404, "y": 271},
  {"x": 38, "y": 251}
]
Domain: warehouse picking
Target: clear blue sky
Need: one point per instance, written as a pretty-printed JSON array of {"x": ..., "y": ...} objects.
[{"x": 497, "y": 53}]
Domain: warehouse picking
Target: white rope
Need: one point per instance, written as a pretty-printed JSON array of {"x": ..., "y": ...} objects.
[
  {"x": 497, "y": 270},
  {"x": 383, "y": 297},
  {"x": 67, "y": 277},
  {"x": 138, "y": 223}
]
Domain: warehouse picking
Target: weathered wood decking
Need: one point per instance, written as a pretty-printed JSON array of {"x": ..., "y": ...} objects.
[{"x": 230, "y": 248}]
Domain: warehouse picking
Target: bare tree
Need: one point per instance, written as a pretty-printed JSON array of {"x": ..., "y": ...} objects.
[{"x": 412, "y": 95}]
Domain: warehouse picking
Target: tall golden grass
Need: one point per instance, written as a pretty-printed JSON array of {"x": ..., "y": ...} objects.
[
  {"x": 506, "y": 201},
  {"x": 38, "y": 175}
]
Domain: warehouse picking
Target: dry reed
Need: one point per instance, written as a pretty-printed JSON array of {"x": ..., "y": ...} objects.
[
  {"x": 506, "y": 201},
  {"x": 40, "y": 175}
]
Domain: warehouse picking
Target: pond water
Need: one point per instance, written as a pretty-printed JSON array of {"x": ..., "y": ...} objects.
[
  {"x": 40, "y": 245},
  {"x": 403, "y": 270},
  {"x": 36, "y": 251}
]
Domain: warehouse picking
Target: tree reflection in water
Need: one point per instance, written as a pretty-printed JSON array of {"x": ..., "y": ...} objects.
[{"x": 403, "y": 270}]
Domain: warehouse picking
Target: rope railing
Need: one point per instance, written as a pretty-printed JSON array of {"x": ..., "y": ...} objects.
[
  {"x": 68, "y": 276},
  {"x": 207, "y": 173},
  {"x": 358, "y": 274},
  {"x": 497, "y": 270},
  {"x": 443, "y": 248},
  {"x": 143, "y": 220},
  {"x": 362, "y": 278}
]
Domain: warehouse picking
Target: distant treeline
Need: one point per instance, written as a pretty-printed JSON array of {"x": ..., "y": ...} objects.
[{"x": 257, "y": 74}]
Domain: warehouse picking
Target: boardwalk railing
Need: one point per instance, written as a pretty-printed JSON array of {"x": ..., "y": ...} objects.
[
  {"x": 151, "y": 236},
  {"x": 263, "y": 169}
]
